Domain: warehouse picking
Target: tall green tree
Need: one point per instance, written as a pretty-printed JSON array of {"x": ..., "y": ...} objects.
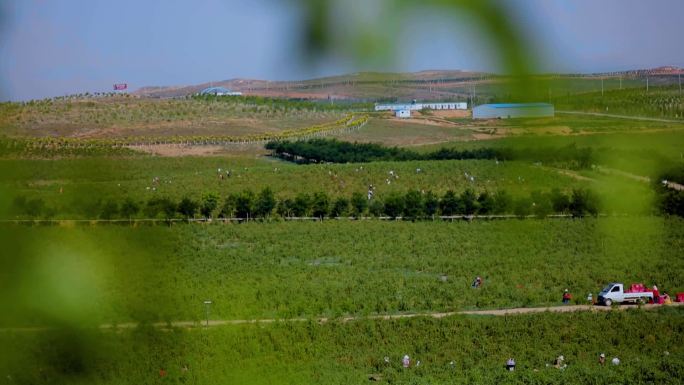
[
  {"x": 320, "y": 205},
  {"x": 244, "y": 204},
  {"x": 503, "y": 202},
  {"x": 376, "y": 207},
  {"x": 359, "y": 204},
  {"x": 413, "y": 205},
  {"x": 430, "y": 203},
  {"x": 560, "y": 203},
  {"x": 584, "y": 202},
  {"x": 109, "y": 210},
  {"x": 228, "y": 207},
  {"x": 285, "y": 208},
  {"x": 469, "y": 202},
  {"x": 450, "y": 204},
  {"x": 340, "y": 207},
  {"x": 187, "y": 207},
  {"x": 265, "y": 203},
  {"x": 129, "y": 208},
  {"x": 486, "y": 203},
  {"x": 209, "y": 204},
  {"x": 394, "y": 204},
  {"x": 301, "y": 205}
]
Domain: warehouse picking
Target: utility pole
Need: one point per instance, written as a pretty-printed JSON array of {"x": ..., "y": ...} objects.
[
  {"x": 646, "y": 83},
  {"x": 620, "y": 82},
  {"x": 679, "y": 76},
  {"x": 601, "y": 86}
]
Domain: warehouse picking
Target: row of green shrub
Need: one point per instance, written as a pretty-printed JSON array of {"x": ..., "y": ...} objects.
[
  {"x": 410, "y": 205},
  {"x": 287, "y": 103},
  {"x": 335, "y": 151}
]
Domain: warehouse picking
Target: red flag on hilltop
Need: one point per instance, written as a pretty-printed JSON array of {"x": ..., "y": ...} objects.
[{"x": 120, "y": 86}]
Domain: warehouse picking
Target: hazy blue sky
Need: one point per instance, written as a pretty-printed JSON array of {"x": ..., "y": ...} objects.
[{"x": 50, "y": 47}]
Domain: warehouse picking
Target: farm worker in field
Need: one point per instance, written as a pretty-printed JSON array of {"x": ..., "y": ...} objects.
[
  {"x": 406, "y": 361},
  {"x": 477, "y": 282},
  {"x": 656, "y": 294},
  {"x": 666, "y": 299},
  {"x": 566, "y": 297},
  {"x": 559, "y": 362},
  {"x": 602, "y": 359},
  {"x": 510, "y": 364},
  {"x": 590, "y": 299},
  {"x": 162, "y": 373}
]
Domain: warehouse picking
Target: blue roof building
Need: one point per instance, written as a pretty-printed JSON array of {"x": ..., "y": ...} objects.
[
  {"x": 513, "y": 110},
  {"x": 219, "y": 91}
]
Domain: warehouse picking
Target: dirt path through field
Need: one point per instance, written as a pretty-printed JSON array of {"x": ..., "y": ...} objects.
[{"x": 386, "y": 317}]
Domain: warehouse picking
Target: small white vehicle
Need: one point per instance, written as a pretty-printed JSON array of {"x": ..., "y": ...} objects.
[{"x": 614, "y": 293}]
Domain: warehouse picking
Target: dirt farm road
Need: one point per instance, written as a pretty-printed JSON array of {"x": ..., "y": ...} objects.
[{"x": 492, "y": 312}]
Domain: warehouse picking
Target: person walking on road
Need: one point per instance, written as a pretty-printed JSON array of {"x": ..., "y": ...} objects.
[{"x": 566, "y": 297}]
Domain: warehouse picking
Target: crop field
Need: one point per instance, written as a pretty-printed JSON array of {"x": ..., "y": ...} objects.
[
  {"x": 73, "y": 184},
  {"x": 409, "y": 132},
  {"x": 660, "y": 102},
  {"x": 331, "y": 268},
  {"x": 426, "y": 131},
  {"x": 454, "y": 350},
  {"x": 122, "y": 117},
  {"x": 638, "y": 152},
  {"x": 60, "y": 281}
]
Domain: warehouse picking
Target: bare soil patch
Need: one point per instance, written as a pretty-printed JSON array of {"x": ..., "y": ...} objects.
[
  {"x": 451, "y": 113},
  {"x": 175, "y": 150}
]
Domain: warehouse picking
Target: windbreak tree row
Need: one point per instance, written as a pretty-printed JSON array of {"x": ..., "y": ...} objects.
[
  {"x": 411, "y": 205},
  {"x": 335, "y": 151}
]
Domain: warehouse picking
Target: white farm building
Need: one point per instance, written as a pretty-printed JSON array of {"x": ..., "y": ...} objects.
[
  {"x": 420, "y": 106},
  {"x": 403, "y": 113}
]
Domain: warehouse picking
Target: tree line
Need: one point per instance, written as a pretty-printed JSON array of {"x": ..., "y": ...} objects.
[
  {"x": 334, "y": 151},
  {"x": 265, "y": 204},
  {"x": 288, "y": 103}
]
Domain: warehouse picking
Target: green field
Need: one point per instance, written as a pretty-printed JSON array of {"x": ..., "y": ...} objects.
[
  {"x": 454, "y": 350},
  {"x": 642, "y": 153},
  {"x": 72, "y": 277},
  {"x": 87, "y": 181},
  {"x": 332, "y": 268},
  {"x": 393, "y": 132},
  {"x": 661, "y": 102},
  {"x": 118, "y": 117}
]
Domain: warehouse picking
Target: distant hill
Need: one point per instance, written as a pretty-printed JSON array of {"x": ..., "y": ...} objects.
[
  {"x": 363, "y": 85},
  {"x": 424, "y": 85}
]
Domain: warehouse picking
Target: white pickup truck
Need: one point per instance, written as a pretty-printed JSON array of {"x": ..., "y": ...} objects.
[{"x": 614, "y": 292}]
